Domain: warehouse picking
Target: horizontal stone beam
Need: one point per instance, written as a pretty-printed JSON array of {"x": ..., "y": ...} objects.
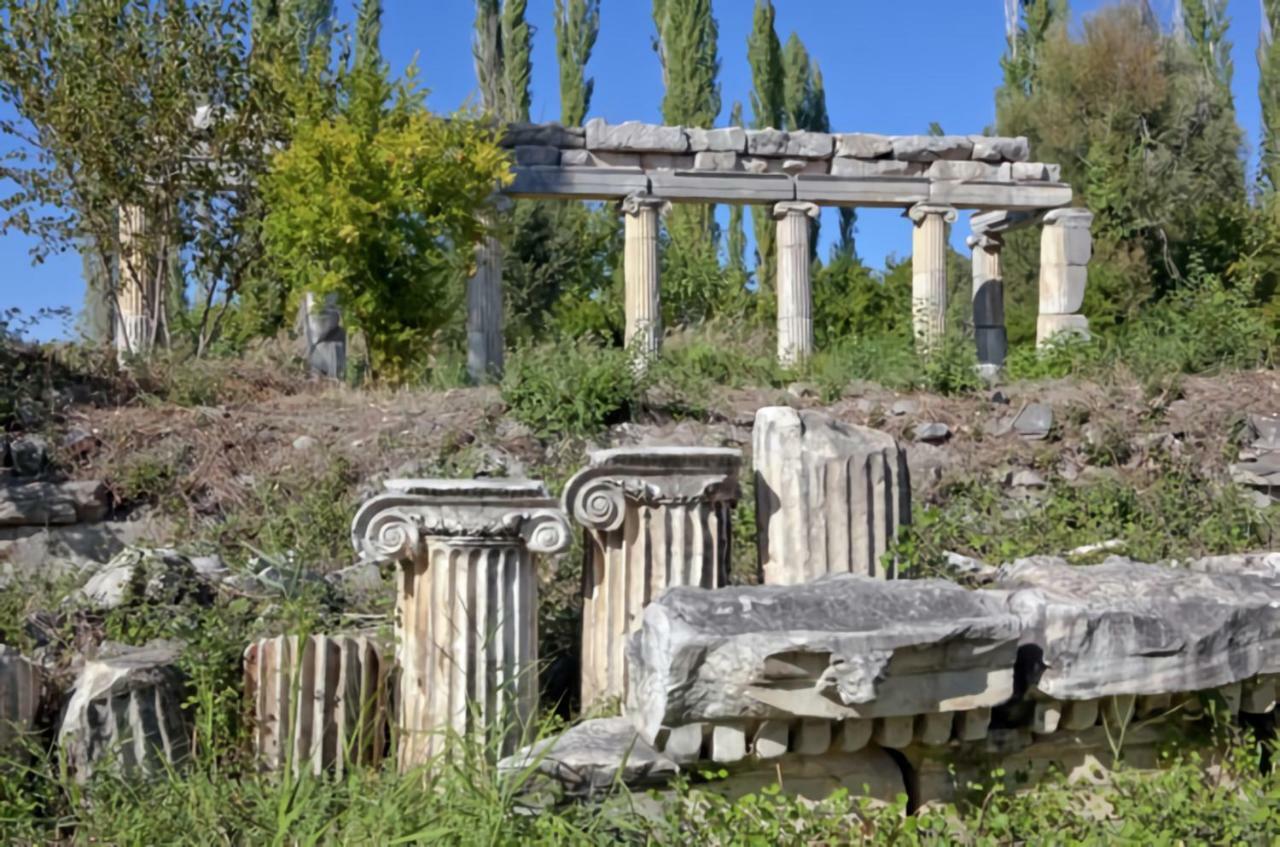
[
  {"x": 995, "y": 222},
  {"x": 739, "y": 187}
]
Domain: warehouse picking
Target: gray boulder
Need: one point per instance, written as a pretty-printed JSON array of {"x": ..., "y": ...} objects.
[
  {"x": 591, "y": 757},
  {"x": 139, "y": 575},
  {"x": 839, "y": 647},
  {"x": 29, "y": 455}
]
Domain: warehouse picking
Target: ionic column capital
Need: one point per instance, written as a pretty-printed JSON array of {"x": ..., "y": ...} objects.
[
  {"x": 634, "y": 204},
  {"x": 597, "y": 496},
  {"x": 396, "y": 525},
  {"x": 920, "y": 211},
  {"x": 795, "y": 207},
  {"x": 984, "y": 241}
]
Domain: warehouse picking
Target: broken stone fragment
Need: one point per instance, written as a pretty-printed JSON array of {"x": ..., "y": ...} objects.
[
  {"x": 836, "y": 648},
  {"x": 29, "y": 455},
  {"x": 988, "y": 148},
  {"x": 21, "y": 681},
  {"x": 592, "y": 757},
  {"x": 725, "y": 140},
  {"x": 125, "y": 712},
  {"x": 531, "y": 155},
  {"x": 637, "y": 137},
  {"x": 876, "y": 168},
  {"x": 140, "y": 575},
  {"x": 1125, "y": 628},
  {"x": 862, "y": 145},
  {"x": 549, "y": 135},
  {"x": 1034, "y": 422},
  {"x": 931, "y": 148}
]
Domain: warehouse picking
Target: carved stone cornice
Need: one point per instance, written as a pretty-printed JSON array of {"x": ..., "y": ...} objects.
[
  {"x": 395, "y": 525},
  {"x": 920, "y": 211},
  {"x": 597, "y": 495},
  {"x": 795, "y": 207},
  {"x": 634, "y": 204}
]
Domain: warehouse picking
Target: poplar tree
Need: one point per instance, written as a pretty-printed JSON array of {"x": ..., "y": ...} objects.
[
  {"x": 502, "y": 58},
  {"x": 805, "y": 103},
  {"x": 687, "y": 49},
  {"x": 1269, "y": 93},
  {"x": 369, "y": 34},
  {"x": 1202, "y": 24},
  {"x": 487, "y": 50},
  {"x": 736, "y": 239},
  {"x": 768, "y": 108},
  {"x": 577, "y": 26}
]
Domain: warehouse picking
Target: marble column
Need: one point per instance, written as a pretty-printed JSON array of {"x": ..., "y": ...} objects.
[
  {"x": 929, "y": 272},
  {"x": 466, "y": 609},
  {"x": 654, "y": 517},
  {"x": 132, "y": 325},
  {"x": 485, "y": 340},
  {"x": 640, "y": 272},
  {"x": 22, "y": 683},
  {"x": 795, "y": 295},
  {"x": 988, "y": 302},
  {"x": 1065, "y": 248}
]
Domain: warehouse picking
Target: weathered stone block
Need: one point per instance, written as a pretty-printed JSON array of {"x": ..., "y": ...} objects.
[
  {"x": 529, "y": 155},
  {"x": 836, "y": 648},
  {"x": 125, "y": 712},
  {"x": 988, "y": 148},
  {"x": 637, "y": 137},
  {"x": 731, "y": 139},
  {"x": 592, "y": 757},
  {"x": 549, "y": 135},
  {"x": 21, "y": 681},
  {"x": 876, "y": 168},
  {"x": 1127, "y": 628},
  {"x": 799, "y": 145},
  {"x": 708, "y": 160},
  {"x": 35, "y": 504},
  {"x": 1030, "y": 171},
  {"x": 830, "y": 496},
  {"x": 931, "y": 148},
  {"x": 862, "y": 145},
  {"x": 1049, "y": 326},
  {"x": 319, "y": 703},
  {"x": 949, "y": 169},
  {"x": 577, "y": 158}
]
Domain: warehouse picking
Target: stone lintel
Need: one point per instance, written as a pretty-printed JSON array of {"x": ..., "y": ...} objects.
[
  {"x": 396, "y": 525},
  {"x": 733, "y": 187},
  {"x": 594, "y": 183},
  {"x": 597, "y": 495},
  {"x": 1002, "y": 220}
]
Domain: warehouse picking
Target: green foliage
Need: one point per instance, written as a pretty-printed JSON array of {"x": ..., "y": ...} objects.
[
  {"x": 768, "y": 109},
  {"x": 1269, "y": 95},
  {"x": 517, "y": 63},
  {"x": 686, "y": 47},
  {"x": 577, "y": 26},
  {"x": 369, "y": 205},
  {"x": 851, "y": 301},
  {"x": 368, "y": 35},
  {"x": 566, "y": 388}
]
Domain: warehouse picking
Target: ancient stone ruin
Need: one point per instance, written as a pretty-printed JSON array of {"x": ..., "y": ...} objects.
[{"x": 645, "y": 168}]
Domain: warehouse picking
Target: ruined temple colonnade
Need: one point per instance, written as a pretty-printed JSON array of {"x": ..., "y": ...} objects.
[{"x": 644, "y": 168}]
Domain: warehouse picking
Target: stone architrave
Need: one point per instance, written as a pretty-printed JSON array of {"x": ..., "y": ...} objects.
[
  {"x": 319, "y": 703},
  {"x": 131, "y": 325},
  {"x": 830, "y": 496},
  {"x": 21, "y": 681},
  {"x": 929, "y": 272},
  {"x": 795, "y": 295},
  {"x": 988, "y": 300},
  {"x": 485, "y": 341},
  {"x": 1065, "y": 248},
  {"x": 125, "y": 712},
  {"x": 640, "y": 274},
  {"x": 466, "y": 610},
  {"x": 654, "y": 517}
]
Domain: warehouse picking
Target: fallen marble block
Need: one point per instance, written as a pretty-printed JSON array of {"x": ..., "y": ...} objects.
[
  {"x": 125, "y": 712},
  {"x": 590, "y": 758},
  {"x": 1128, "y": 628},
  {"x": 840, "y": 647}
]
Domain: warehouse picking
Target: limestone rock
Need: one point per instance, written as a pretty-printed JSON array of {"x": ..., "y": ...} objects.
[
  {"x": 931, "y": 148},
  {"x": 731, "y": 139},
  {"x": 876, "y": 168},
  {"x": 800, "y": 144},
  {"x": 21, "y": 681},
  {"x": 593, "y": 756},
  {"x": 1034, "y": 422},
  {"x": 948, "y": 169},
  {"x": 715, "y": 161},
  {"x": 862, "y": 145},
  {"x": 1265, "y": 431},
  {"x": 830, "y": 496},
  {"x": 318, "y": 702},
  {"x": 932, "y": 431},
  {"x": 576, "y": 159},
  {"x": 29, "y": 455},
  {"x": 988, "y": 148},
  {"x": 126, "y": 712},
  {"x": 1259, "y": 564},
  {"x": 1030, "y": 171},
  {"x": 1125, "y": 628},
  {"x": 839, "y": 647},
  {"x": 637, "y": 137},
  {"x": 154, "y": 576},
  {"x": 549, "y": 135}
]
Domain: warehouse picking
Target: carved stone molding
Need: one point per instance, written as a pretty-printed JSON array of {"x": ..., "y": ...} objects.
[
  {"x": 394, "y": 525},
  {"x": 634, "y": 204},
  {"x": 920, "y": 211},
  {"x": 795, "y": 207}
]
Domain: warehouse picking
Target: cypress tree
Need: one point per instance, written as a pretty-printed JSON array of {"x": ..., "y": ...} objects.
[
  {"x": 805, "y": 103},
  {"x": 577, "y": 25},
  {"x": 1269, "y": 93},
  {"x": 1028, "y": 24},
  {"x": 686, "y": 45},
  {"x": 736, "y": 239},
  {"x": 487, "y": 50},
  {"x": 768, "y": 108},
  {"x": 517, "y": 63},
  {"x": 369, "y": 34},
  {"x": 1202, "y": 24}
]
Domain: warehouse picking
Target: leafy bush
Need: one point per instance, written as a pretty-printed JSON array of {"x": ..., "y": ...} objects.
[{"x": 570, "y": 388}]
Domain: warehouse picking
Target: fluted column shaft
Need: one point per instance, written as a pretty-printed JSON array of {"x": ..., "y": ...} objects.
[
  {"x": 654, "y": 518},
  {"x": 484, "y": 313},
  {"x": 466, "y": 622},
  {"x": 795, "y": 295},
  {"x": 988, "y": 300},
  {"x": 929, "y": 272},
  {"x": 640, "y": 274},
  {"x": 131, "y": 325}
]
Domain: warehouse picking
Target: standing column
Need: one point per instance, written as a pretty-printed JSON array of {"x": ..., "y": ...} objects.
[
  {"x": 988, "y": 302},
  {"x": 929, "y": 272},
  {"x": 795, "y": 296},
  {"x": 484, "y": 310},
  {"x": 654, "y": 517},
  {"x": 132, "y": 336},
  {"x": 1065, "y": 248},
  {"x": 640, "y": 273},
  {"x": 466, "y": 610}
]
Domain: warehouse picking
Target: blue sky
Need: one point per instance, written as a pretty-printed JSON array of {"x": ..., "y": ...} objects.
[{"x": 889, "y": 67}]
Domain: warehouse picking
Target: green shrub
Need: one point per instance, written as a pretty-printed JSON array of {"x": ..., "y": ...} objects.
[{"x": 570, "y": 388}]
